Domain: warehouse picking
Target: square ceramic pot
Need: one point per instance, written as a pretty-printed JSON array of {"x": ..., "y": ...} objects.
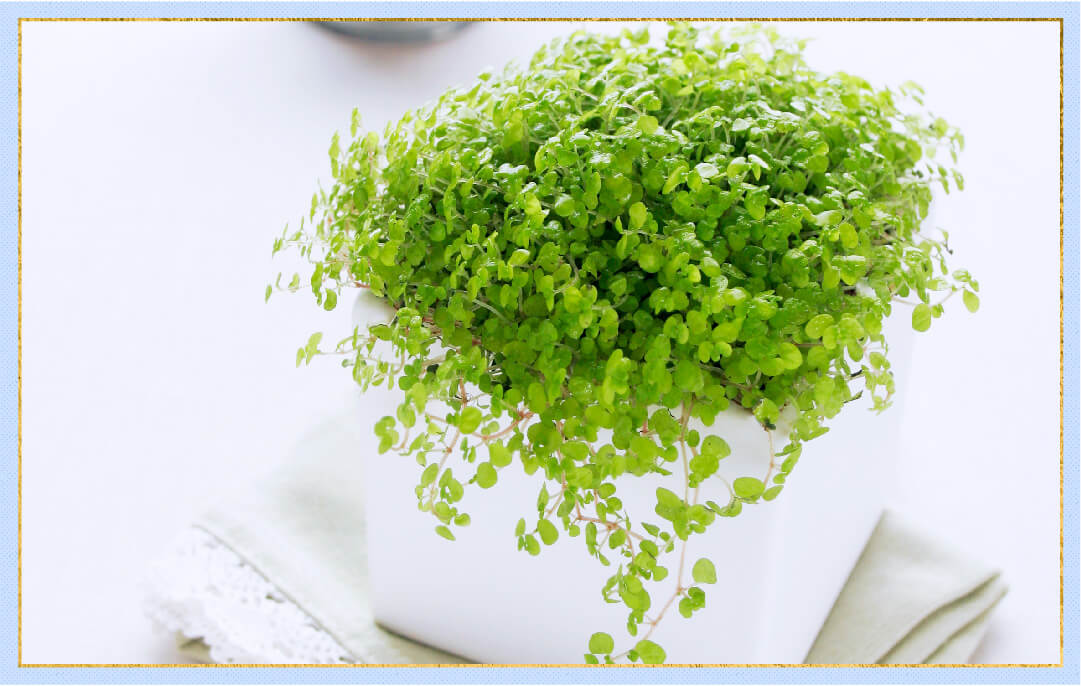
[{"x": 780, "y": 564}]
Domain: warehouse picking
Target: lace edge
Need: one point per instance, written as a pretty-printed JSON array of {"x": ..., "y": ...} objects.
[{"x": 202, "y": 589}]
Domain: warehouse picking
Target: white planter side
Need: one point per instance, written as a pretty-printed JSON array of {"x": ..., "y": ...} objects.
[{"x": 779, "y": 565}]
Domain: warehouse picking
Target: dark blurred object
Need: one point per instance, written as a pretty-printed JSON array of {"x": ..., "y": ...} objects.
[{"x": 396, "y": 31}]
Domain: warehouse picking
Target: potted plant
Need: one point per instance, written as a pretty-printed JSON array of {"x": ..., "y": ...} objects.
[{"x": 615, "y": 296}]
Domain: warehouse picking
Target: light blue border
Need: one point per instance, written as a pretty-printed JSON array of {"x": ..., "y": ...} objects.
[{"x": 9, "y": 673}]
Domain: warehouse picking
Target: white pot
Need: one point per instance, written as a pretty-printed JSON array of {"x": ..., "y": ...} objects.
[{"x": 780, "y": 564}]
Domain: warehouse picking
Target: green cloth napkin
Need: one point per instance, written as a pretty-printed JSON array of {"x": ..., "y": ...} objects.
[
  {"x": 301, "y": 525},
  {"x": 909, "y": 599}
]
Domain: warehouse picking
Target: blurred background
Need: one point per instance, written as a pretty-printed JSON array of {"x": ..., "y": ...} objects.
[{"x": 160, "y": 160}]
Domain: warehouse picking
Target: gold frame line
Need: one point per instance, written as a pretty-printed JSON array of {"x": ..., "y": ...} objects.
[{"x": 1061, "y": 22}]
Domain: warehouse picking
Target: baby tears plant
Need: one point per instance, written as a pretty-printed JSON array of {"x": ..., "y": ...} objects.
[{"x": 585, "y": 254}]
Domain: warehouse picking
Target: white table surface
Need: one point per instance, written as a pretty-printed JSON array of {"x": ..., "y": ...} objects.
[{"x": 160, "y": 160}]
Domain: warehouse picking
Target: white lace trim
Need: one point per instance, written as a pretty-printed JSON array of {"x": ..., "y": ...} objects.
[{"x": 202, "y": 589}]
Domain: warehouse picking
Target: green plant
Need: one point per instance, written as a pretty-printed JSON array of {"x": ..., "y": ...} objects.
[{"x": 586, "y": 253}]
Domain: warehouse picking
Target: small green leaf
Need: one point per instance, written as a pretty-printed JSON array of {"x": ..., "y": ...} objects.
[
  {"x": 518, "y": 257},
  {"x": 737, "y": 167},
  {"x": 330, "y": 299},
  {"x": 703, "y": 572},
  {"x": 707, "y": 170},
  {"x": 921, "y": 317},
  {"x": 564, "y": 205},
  {"x": 486, "y": 475},
  {"x": 444, "y": 532},
  {"x": 637, "y": 214},
  {"x": 818, "y": 325},
  {"x": 755, "y": 203},
  {"x": 469, "y": 419},
  {"x": 649, "y": 258},
  {"x": 549, "y": 534},
  {"x": 648, "y": 124},
  {"x": 538, "y": 399},
  {"x": 849, "y": 238},
  {"x": 829, "y": 218},
  {"x": 716, "y": 446},
  {"x": 650, "y": 652},
  {"x": 790, "y": 356},
  {"x": 531, "y": 545},
  {"x": 748, "y": 487},
  {"x": 429, "y": 474},
  {"x": 972, "y": 301},
  {"x": 601, "y": 643},
  {"x": 498, "y": 454}
]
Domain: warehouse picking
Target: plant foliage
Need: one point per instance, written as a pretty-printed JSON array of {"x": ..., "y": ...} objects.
[{"x": 587, "y": 253}]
